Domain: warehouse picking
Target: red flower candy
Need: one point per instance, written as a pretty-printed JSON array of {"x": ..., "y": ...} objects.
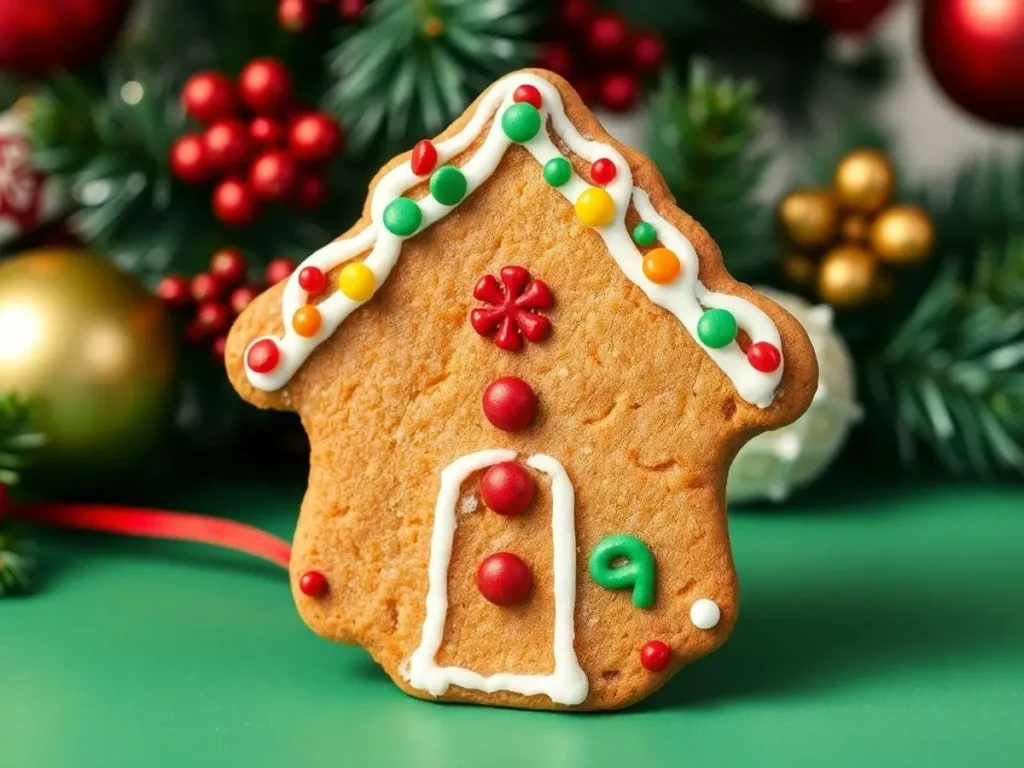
[{"x": 513, "y": 311}]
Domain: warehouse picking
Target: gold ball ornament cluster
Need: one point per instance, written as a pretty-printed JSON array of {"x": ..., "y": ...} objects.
[
  {"x": 841, "y": 240},
  {"x": 93, "y": 354}
]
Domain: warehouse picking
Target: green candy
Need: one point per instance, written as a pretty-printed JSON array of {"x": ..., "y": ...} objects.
[
  {"x": 644, "y": 234},
  {"x": 521, "y": 122},
  {"x": 557, "y": 171},
  {"x": 448, "y": 185},
  {"x": 402, "y": 216},
  {"x": 638, "y": 573},
  {"x": 716, "y": 328}
]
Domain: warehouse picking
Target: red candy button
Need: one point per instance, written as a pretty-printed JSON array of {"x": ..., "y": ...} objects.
[
  {"x": 312, "y": 280},
  {"x": 507, "y": 488},
  {"x": 602, "y": 172},
  {"x": 263, "y": 356},
  {"x": 504, "y": 579},
  {"x": 424, "y": 158},
  {"x": 510, "y": 404},
  {"x": 655, "y": 655},
  {"x": 527, "y": 93},
  {"x": 313, "y": 584},
  {"x": 764, "y": 357}
]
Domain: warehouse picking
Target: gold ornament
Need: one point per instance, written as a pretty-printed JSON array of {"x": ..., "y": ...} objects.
[
  {"x": 864, "y": 180},
  {"x": 799, "y": 268},
  {"x": 93, "y": 353},
  {"x": 847, "y": 276},
  {"x": 902, "y": 234},
  {"x": 855, "y": 229},
  {"x": 809, "y": 217}
]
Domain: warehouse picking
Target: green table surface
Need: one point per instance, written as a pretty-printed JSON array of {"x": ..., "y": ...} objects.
[{"x": 879, "y": 626}]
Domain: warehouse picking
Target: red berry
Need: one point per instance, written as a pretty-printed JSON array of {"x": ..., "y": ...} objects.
[
  {"x": 312, "y": 279},
  {"x": 228, "y": 266},
  {"x": 573, "y": 14},
  {"x": 227, "y": 144},
  {"x": 278, "y": 270},
  {"x": 188, "y": 159},
  {"x": 507, "y": 488},
  {"x": 272, "y": 175},
  {"x": 233, "y": 203},
  {"x": 314, "y": 138},
  {"x": 208, "y": 96},
  {"x": 295, "y": 15},
  {"x": 313, "y": 583},
  {"x": 205, "y": 287},
  {"x": 510, "y": 404},
  {"x": 310, "y": 192},
  {"x": 607, "y": 35},
  {"x": 242, "y": 297},
  {"x": 655, "y": 655},
  {"x": 175, "y": 291},
  {"x": 266, "y": 132},
  {"x": 212, "y": 317},
  {"x": 528, "y": 94},
  {"x": 504, "y": 579},
  {"x": 263, "y": 356},
  {"x": 219, "y": 345},
  {"x": 424, "y": 157},
  {"x": 265, "y": 86},
  {"x": 764, "y": 357},
  {"x": 351, "y": 10},
  {"x": 648, "y": 51},
  {"x": 619, "y": 91},
  {"x": 602, "y": 171},
  {"x": 557, "y": 57}
]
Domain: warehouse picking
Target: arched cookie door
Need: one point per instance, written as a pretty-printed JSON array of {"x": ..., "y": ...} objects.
[{"x": 566, "y": 684}]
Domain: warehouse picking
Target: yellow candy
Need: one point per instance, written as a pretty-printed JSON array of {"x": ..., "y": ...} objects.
[
  {"x": 595, "y": 207},
  {"x": 357, "y": 281}
]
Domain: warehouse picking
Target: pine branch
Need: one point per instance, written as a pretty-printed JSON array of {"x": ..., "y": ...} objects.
[
  {"x": 704, "y": 144},
  {"x": 17, "y": 564},
  {"x": 17, "y": 440}
]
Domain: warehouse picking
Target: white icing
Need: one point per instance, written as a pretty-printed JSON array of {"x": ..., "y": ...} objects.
[
  {"x": 705, "y": 614},
  {"x": 685, "y": 297},
  {"x": 567, "y": 684}
]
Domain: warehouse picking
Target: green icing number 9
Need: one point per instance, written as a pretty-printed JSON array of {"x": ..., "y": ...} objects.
[{"x": 638, "y": 573}]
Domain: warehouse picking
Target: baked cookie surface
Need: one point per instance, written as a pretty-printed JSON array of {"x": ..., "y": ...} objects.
[{"x": 523, "y": 384}]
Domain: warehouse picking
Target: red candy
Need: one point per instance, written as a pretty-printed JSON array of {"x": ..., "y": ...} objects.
[
  {"x": 510, "y": 404},
  {"x": 513, "y": 311},
  {"x": 602, "y": 172},
  {"x": 764, "y": 357},
  {"x": 263, "y": 356},
  {"x": 507, "y": 488},
  {"x": 312, "y": 279},
  {"x": 313, "y": 584},
  {"x": 655, "y": 655},
  {"x": 504, "y": 579},
  {"x": 424, "y": 158},
  {"x": 529, "y": 94}
]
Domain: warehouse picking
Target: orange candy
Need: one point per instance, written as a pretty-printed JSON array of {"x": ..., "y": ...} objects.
[
  {"x": 306, "y": 321},
  {"x": 661, "y": 265}
]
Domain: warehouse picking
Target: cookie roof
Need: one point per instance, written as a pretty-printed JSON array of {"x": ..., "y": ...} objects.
[{"x": 685, "y": 296}]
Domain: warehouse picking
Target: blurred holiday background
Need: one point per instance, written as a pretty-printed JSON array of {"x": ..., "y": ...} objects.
[{"x": 163, "y": 161}]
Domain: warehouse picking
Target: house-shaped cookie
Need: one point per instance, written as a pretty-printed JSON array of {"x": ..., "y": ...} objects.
[{"x": 524, "y": 373}]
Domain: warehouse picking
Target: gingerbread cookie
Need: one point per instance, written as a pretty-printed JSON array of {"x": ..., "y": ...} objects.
[{"x": 524, "y": 373}]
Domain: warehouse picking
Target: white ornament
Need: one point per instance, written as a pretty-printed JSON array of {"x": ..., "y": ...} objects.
[{"x": 774, "y": 464}]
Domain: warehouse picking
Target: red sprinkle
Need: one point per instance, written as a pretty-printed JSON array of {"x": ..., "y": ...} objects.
[
  {"x": 313, "y": 584},
  {"x": 312, "y": 279},
  {"x": 764, "y": 357},
  {"x": 263, "y": 356},
  {"x": 655, "y": 655},
  {"x": 602, "y": 172},
  {"x": 424, "y": 157},
  {"x": 529, "y": 94}
]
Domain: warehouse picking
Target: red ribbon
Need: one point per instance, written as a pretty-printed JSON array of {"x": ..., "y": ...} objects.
[{"x": 160, "y": 524}]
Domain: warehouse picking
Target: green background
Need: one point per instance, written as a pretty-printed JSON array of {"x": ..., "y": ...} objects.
[{"x": 878, "y": 627}]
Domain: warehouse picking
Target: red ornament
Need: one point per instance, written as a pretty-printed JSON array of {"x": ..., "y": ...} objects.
[
  {"x": 42, "y": 36},
  {"x": 266, "y": 132},
  {"x": 219, "y": 346},
  {"x": 655, "y": 655},
  {"x": 850, "y": 17},
  {"x": 228, "y": 266},
  {"x": 510, "y": 404},
  {"x": 607, "y": 36},
  {"x": 272, "y": 175},
  {"x": 573, "y": 14},
  {"x": 350, "y": 10},
  {"x": 507, "y": 488},
  {"x": 602, "y": 171},
  {"x": 557, "y": 57},
  {"x": 513, "y": 311},
  {"x": 233, "y": 203},
  {"x": 279, "y": 269},
  {"x": 313, "y": 583},
  {"x": 188, "y": 159},
  {"x": 764, "y": 357},
  {"x": 312, "y": 279},
  {"x": 208, "y": 96},
  {"x": 424, "y": 157},
  {"x": 205, "y": 287},
  {"x": 241, "y": 298},
  {"x": 975, "y": 50},
  {"x": 648, "y": 52},
  {"x": 265, "y": 86},
  {"x": 504, "y": 579},
  {"x": 175, "y": 291},
  {"x": 263, "y": 356},
  {"x": 227, "y": 144},
  {"x": 295, "y": 15},
  {"x": 314, "y": 138},
  {"x": 619, "y": 91},
  {"x": 212, "y": 318},
  {"x": 528, "y": 94}
]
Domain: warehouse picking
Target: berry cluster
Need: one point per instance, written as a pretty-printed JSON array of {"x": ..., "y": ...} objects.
[
  {"x": 600, "y": 55},
  {"x": 211, "y": 300},
  {"x": 257, "y": 144},
  {"x": 297, "y": 16}
]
